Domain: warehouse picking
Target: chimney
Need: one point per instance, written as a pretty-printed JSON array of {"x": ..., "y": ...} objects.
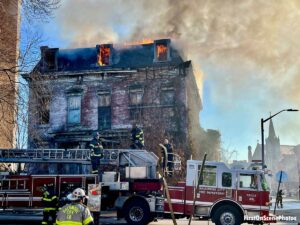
[
  {"x": 249, "y": 154},
  {"x": 162, "y": 50}
]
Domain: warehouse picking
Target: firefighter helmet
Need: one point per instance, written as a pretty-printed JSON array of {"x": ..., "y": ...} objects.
[
  {"x": 43, "y": 188},
  {"x": 77, "y": 194},
  {"x": 96, "y": 134}
]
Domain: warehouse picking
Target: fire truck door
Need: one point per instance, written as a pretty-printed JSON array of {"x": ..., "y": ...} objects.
[
  {"x": 40, "y": 181},
  {"x": 248, "y": 191}
]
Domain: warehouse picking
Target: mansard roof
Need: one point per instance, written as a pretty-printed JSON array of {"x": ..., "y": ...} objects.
[{"x": 120, "y": 57}]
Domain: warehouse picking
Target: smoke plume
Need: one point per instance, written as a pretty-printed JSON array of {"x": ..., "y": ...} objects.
[{"x": 249, "y": 50}]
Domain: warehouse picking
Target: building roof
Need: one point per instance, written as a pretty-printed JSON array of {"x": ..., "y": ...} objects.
[
  {"x": 287, "y": 149},
  {"x": 126, "y": 57},
  {"x": 271, "y": 130},
  {"x": 257, "y": 153}
]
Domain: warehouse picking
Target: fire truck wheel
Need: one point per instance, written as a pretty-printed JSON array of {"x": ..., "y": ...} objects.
[
  {"x": 137, "y": 212},
  {"x": 227, "y": 215}
]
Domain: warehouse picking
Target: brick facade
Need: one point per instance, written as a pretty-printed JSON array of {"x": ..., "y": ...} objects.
[{"x": 134, "y": 85}]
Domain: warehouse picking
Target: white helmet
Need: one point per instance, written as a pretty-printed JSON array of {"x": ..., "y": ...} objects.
[{"x": 77, "y": 194}]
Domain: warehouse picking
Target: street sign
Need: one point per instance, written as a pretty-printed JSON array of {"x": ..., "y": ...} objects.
[{"x": 284, "y": 176}]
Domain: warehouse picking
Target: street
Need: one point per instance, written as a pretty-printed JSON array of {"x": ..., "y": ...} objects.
[{"x": 290, "y": 208}]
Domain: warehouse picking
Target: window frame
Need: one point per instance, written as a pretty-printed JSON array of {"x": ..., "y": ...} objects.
[
  {"x": 215, "y": 172},
  {"x": 249, "y": 188},
  {"x": 106, "y": 107},
  {"x": 70, "y": 96},
  {"x": 222, "y": 183}
]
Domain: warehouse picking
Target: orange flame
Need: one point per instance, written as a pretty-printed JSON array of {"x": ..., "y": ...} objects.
[
  {"x": 161, "y": 50},
  {"x": 103, "y": 55}
]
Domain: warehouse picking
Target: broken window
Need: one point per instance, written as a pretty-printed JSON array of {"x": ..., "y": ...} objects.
[
  {"x": 103, "y": 55},
  {"x": 50, "y": 59},
  {"x": 44, "y": 110},
  {"x": 136, "y": 94},
  {"x": 74, "y": 109},
  {"x": 167, "y": 96},
  {"x": 162, "y": 52},
  {"x": 104, "y": 110},
  {"x": 135, "y": 114}
]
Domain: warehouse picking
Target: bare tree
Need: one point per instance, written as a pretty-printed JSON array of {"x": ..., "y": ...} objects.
[{"x": 16, "y": 59}]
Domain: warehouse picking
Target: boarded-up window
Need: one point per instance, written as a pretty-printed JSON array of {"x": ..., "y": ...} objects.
[
  {"x": 74, "y": 109},
  {"x": 136, "y": 96},
  {"x": 167, "y": 96},
  {"x": 104, "y": 99},
  {"x": 104, "y": 110}
]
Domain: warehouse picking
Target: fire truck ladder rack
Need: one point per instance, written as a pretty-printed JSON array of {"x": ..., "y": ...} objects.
[
  {"x": 14, "y": 189},
  {"x": 79, "y": 156}
]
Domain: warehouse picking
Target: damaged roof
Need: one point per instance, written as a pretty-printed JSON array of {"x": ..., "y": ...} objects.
[{"x": 129, "y": 57}]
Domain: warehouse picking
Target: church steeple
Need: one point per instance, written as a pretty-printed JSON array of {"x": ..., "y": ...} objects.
[{"x": 272, "y": 134}]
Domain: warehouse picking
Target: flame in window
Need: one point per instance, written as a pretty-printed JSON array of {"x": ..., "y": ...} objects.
[
  {"x": 103, "y": 55},
  {"x": 161, "y": 52}
]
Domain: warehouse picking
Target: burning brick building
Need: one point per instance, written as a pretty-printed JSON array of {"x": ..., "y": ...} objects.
[{"x": 107, "y": 88}]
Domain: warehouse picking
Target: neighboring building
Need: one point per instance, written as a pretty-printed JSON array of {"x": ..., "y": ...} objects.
[
  {"x": 9, "y": 41},
  {"x": 74, "y": 92},
  {"x": 280, "y": 157}
]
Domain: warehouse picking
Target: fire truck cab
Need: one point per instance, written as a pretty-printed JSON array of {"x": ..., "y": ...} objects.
[{"x": 226, "y": 196}]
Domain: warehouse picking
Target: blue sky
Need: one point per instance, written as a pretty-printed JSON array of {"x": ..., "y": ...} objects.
[{"x": 246, "y": 53}]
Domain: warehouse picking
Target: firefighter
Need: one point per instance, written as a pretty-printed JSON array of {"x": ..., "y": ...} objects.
[
  {"x": 96, "y": 152},
  {"x": 75, "y": 213},
  {"x": 279, "y": 198},
  {"x": 137, "y": 137},
  {"x": 50, "y": 203}
]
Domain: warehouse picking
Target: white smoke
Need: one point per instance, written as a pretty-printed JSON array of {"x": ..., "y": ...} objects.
[{"x": 248, "y": 49}]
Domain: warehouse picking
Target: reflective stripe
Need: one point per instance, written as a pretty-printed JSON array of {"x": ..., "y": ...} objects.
[
  {"x": 49, "y": 209},
  {"x": 67, "y": 223},
  {"x": 44, "y": 222},
  {"x": 47, "y": 199},
  {"x": 54, "y": 197},
  {"x": 88, "y": 220}
]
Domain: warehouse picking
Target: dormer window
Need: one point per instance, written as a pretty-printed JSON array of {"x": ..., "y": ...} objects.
[
  {"x": 162, "y": 50},
  {"x": 49, "y": 56},
  {"x": 103, "y": 55}
]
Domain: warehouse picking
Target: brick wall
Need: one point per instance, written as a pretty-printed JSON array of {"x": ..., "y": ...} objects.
[{"x": 9, "y": 34}]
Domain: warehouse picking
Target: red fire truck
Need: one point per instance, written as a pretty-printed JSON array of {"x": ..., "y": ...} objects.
[
  {"x": 134, "y": 190},
  {"x": 226, "y": 196}
]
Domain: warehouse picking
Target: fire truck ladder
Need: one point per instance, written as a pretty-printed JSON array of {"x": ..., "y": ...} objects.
[
  {"x": 78, "y": 156},
  {"x": 14, "y": 190}
]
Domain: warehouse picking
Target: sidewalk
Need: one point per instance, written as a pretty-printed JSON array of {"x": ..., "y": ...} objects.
[{"x": 288, "y": 204}]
